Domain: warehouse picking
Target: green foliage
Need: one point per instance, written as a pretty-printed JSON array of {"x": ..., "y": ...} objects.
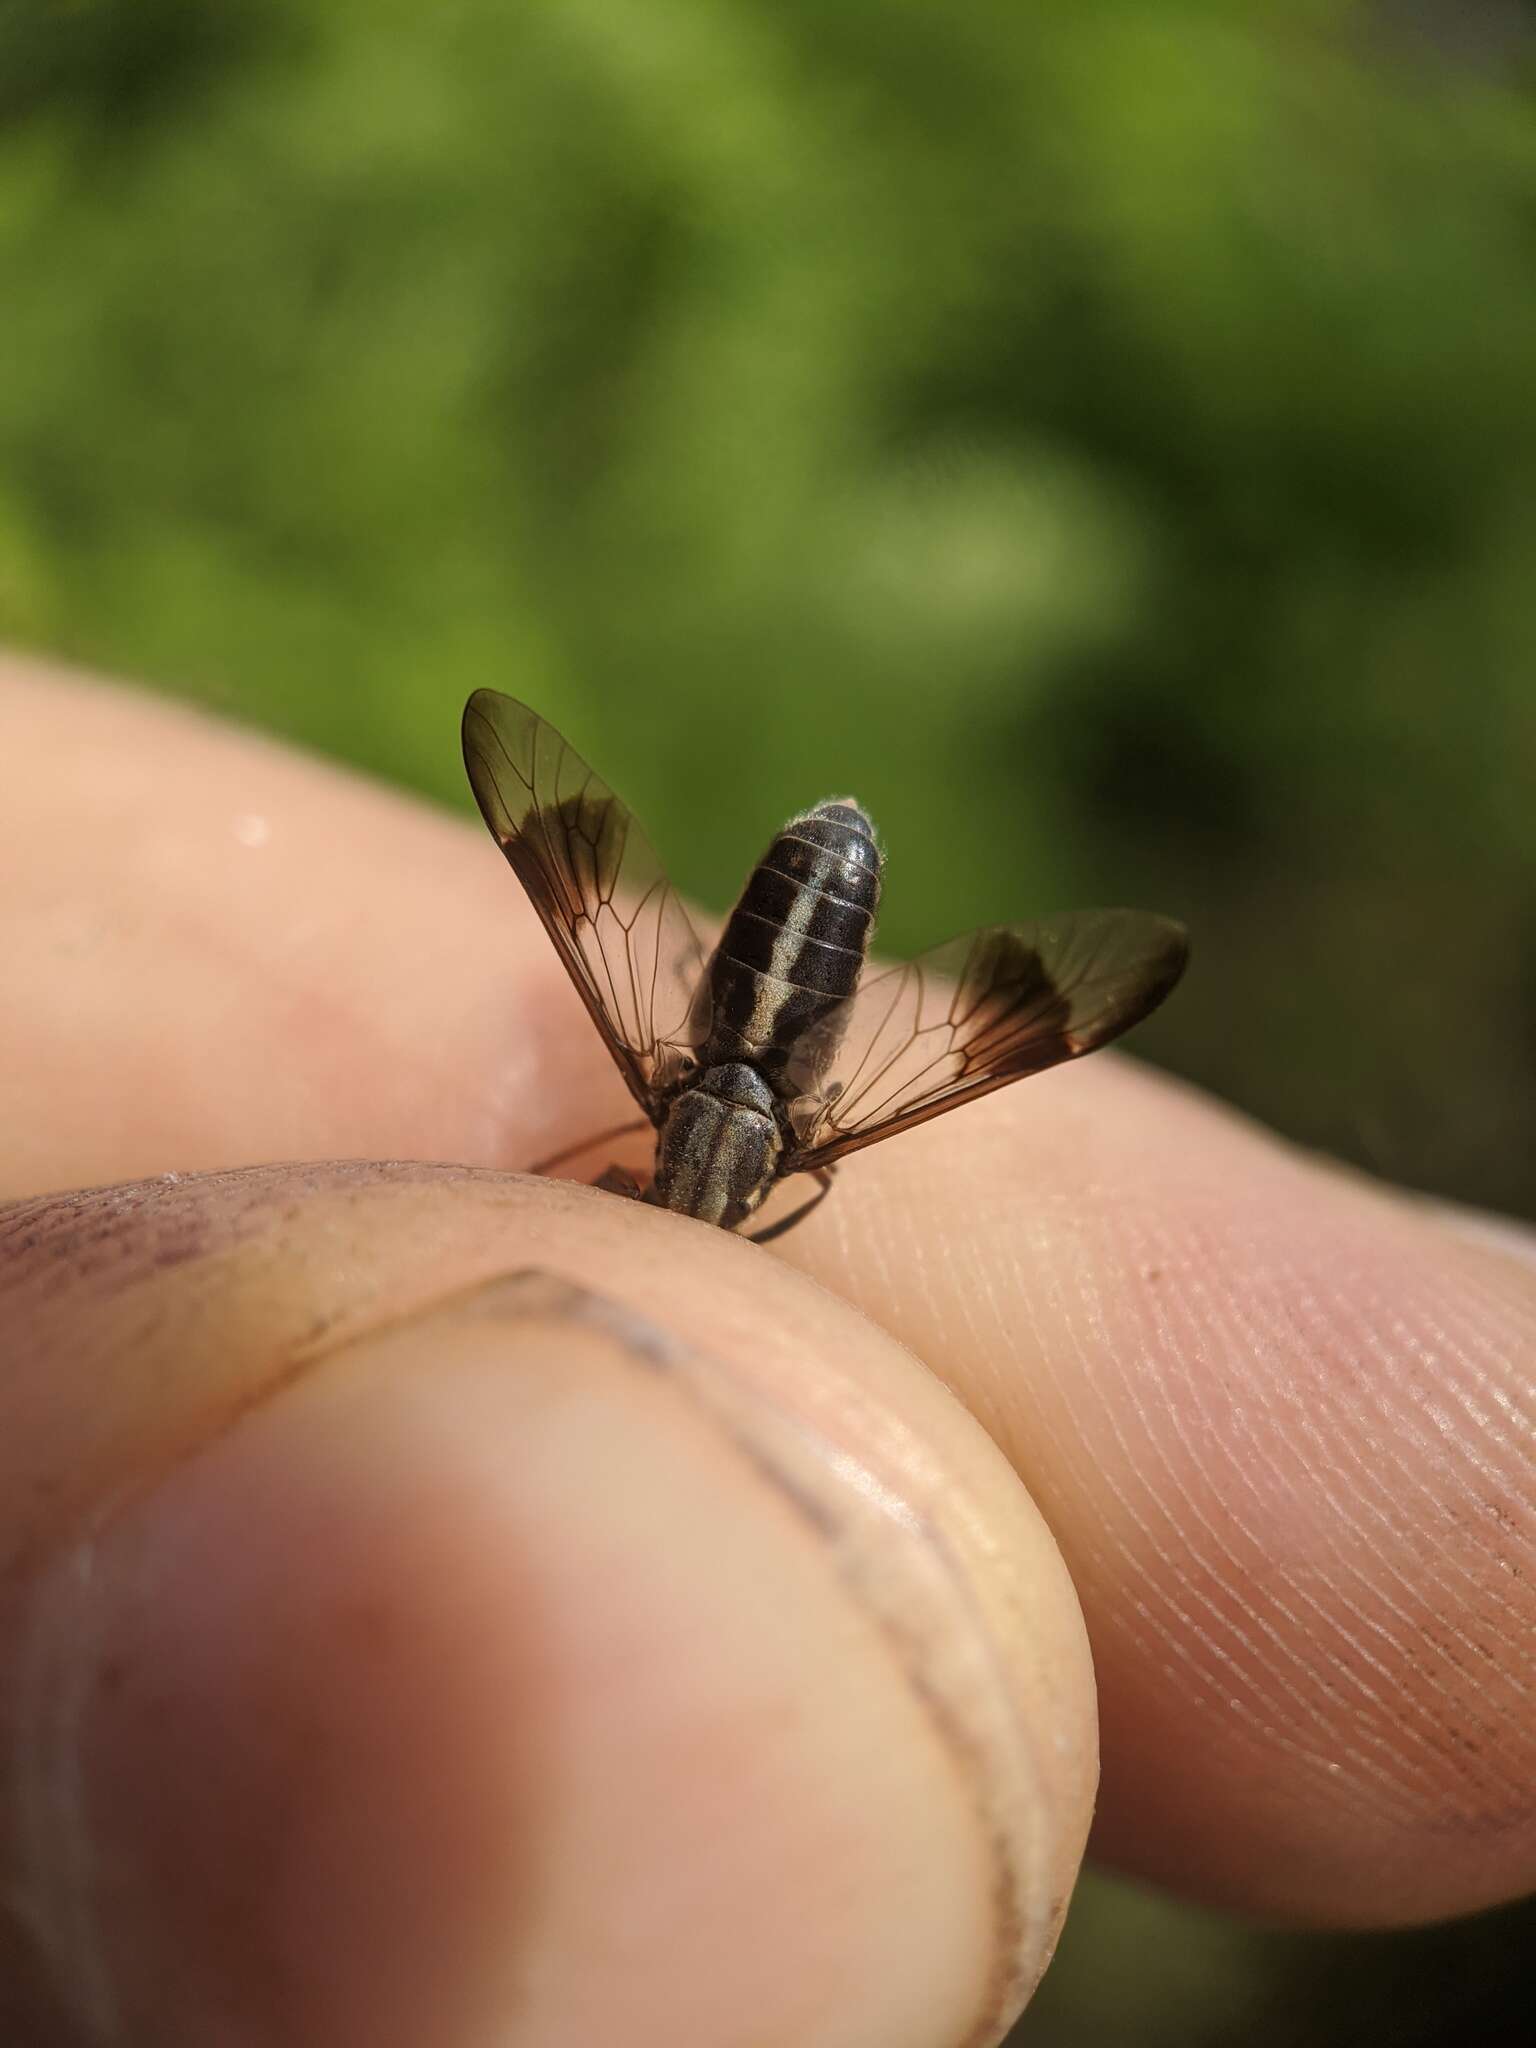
[{"x": 1101, "y": 436}]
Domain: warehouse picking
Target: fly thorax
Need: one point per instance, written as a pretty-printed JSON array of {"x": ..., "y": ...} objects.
[
  {"x": 718, "y": 1153},
  {"x": 737, "y": 1083}
]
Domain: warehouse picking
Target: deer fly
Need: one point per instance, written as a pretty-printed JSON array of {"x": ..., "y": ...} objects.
[{"x": 771, "y": 1055}]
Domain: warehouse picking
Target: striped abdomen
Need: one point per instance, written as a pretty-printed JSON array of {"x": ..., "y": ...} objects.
[{"x": 794, "y": 946}]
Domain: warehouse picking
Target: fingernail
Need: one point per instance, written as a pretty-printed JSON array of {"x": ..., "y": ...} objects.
[{"x": 451, "y": 1694}]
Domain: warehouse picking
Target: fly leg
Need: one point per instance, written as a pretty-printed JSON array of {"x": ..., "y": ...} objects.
[
  {"x": 618, "y": 1180},
  {"x": 587, "y": 1144},
  {"x": 822, "y": 1175}
]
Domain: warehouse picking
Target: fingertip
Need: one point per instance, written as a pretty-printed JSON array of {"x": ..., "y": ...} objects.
[{"x": 521, "y": 1654}]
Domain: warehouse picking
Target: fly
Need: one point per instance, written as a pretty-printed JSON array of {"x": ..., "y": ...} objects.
[{"x": 771, "y": 1055}]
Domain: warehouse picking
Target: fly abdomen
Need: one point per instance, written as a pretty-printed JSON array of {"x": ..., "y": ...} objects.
[{"x": 794, "y": 946}]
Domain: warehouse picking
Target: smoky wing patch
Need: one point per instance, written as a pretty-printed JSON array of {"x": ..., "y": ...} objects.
[
  {"x": 1007, "y": 1002},
  {"x": 595, "y": 880},
  {"x": 977, "y": 1013}
]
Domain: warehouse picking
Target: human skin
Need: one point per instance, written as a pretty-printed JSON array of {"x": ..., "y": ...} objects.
[{"x": 439, "y": 1604}]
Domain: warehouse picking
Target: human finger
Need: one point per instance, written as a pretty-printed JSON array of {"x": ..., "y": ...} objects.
[
  {"x": 220, "y": 951},
  {"x": 407, "y": 1637},
  {"x": 1280, "y": 1419}
]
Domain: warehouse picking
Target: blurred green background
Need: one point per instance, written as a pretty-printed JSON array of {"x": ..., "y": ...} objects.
[{"x": 1103, "y": 437}]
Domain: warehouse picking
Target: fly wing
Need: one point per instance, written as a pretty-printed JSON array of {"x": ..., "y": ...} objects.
[
  {"x": 977, "y": 1013},
  {"x": 595, "y": 880}
]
